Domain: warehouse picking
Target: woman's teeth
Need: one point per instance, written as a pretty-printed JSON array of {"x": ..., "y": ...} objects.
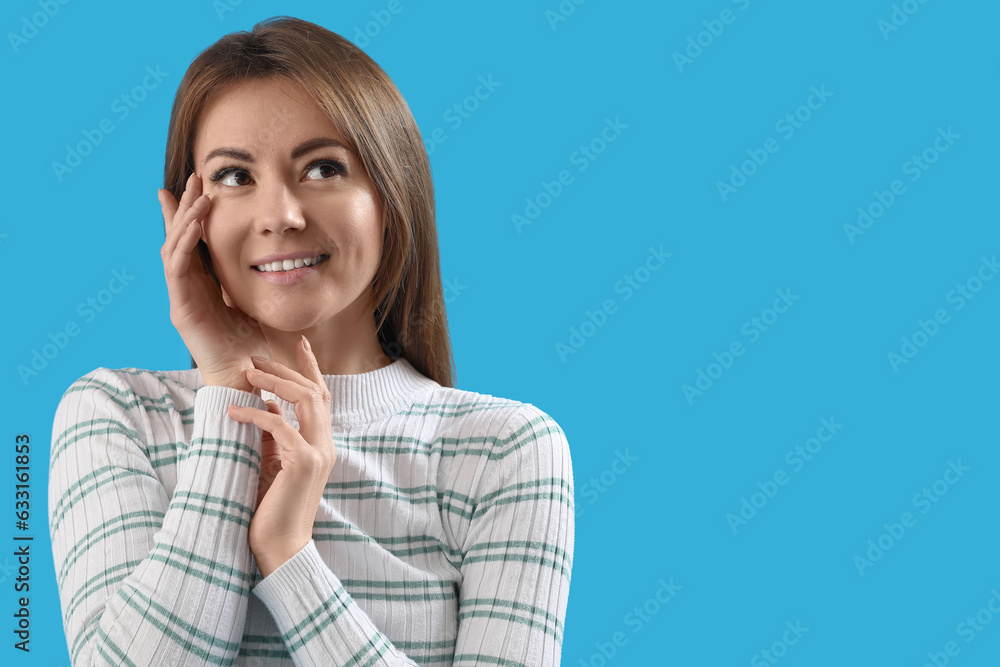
[{"x": 289, "y": 264}]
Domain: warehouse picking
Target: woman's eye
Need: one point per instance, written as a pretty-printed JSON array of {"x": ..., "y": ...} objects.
[
  {"x": 235, "y": 178},
  {"x": 323, "y": 170}
]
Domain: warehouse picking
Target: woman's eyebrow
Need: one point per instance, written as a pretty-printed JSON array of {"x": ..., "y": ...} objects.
[{"x": 297, "y": 152}]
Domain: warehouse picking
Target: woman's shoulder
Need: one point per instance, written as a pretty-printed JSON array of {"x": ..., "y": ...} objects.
[
  {"x": 478, "y": 414},
  {"x": 137, "y": 386}
]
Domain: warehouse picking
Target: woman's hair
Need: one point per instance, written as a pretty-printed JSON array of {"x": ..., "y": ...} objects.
[{"x": 363, "y": 103}]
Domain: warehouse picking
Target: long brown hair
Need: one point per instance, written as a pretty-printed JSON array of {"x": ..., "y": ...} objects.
[{"x": 367, "y": 108}]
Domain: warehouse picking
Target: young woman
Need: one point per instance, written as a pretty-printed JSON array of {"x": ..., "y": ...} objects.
[{"x": 313, "y": 492}]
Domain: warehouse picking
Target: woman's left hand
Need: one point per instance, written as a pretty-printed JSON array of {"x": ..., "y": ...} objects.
[{"x": 296, "y": 464}]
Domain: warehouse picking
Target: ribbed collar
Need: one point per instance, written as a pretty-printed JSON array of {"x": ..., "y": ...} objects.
[{"x": 366, "y": 397}]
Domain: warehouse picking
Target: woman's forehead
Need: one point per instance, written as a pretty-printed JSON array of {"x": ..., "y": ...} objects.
[{"x": 270, "y": 114}]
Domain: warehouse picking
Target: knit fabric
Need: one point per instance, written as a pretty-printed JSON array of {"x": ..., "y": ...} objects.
[{"x": 445, "y": 533}]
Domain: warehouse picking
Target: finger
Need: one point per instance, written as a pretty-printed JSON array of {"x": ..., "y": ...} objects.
[
  {"x": 310, "y": 401},
  {"x": 307, "y": 362},
  {"x": 168, "y": 206},
  {"x": 192, "y": 190},
  {"x": 314, "y": 423},
  {"x": 277, "y": 368},
  {"x": 180, "y": 259},
  {"x": 290, "y": 390},
  {"x": 184, "y": 220},
  {"x": 283, "y": 433}
]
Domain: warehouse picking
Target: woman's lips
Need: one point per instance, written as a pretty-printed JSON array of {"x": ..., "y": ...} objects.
[{"x": 291, "y": 276}]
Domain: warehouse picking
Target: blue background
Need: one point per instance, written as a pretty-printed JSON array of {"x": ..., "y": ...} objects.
[{"x": 661, "y": 519}]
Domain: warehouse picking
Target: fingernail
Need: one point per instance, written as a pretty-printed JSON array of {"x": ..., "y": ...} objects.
[
  {"x": 305, "y": 342},
  {"x": 256, "y": 358}
]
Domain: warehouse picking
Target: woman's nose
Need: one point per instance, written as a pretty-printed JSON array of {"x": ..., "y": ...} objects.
[{"x": 277, "y": 208}]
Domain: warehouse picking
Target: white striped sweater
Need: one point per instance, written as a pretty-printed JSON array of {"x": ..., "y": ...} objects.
[{"x": 445, "y": 533}]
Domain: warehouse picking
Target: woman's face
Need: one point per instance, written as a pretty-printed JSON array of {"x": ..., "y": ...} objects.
[{"x": 283, "y": 183}]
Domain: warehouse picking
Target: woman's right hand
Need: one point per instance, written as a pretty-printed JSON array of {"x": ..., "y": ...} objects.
[{"x": 221, "y": 339}]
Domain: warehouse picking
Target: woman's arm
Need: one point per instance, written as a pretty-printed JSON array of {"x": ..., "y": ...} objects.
[
  {"x": 144, "y": 579},
  {"x": 516, "y": 567},
  {"x": 518, "y": 553},
  {"x": 319, "y": 620}
]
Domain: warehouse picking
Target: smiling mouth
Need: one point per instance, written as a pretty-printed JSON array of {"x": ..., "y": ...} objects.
[{"x": 290, "y": 264}]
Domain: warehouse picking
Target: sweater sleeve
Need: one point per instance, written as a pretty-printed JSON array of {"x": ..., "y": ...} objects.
[
  {"x": 518, "y": 553},
  {"x": 516, "y": 570},
  {"x": 319, "y": 621},
  {"x": 143, "y": 579}
]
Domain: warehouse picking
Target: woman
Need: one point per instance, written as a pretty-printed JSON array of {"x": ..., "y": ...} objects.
[{"x": 301, "y": 496}]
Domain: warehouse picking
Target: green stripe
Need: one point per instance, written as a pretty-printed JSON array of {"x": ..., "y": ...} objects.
[
  {"x": 379, "y": 643},
  {"x": 165, "y": 553},
  {"x": 102, "y": 532},
  {"x": 519, "y": 606},
  {"x": 453, "y": 409},
  {"x": 555, "y": 481},
  {"x": 417, "y": 446},
  {"x": 106, "y": 641},
  {"x": 511, "y": 617},
  {"x": 175, "y": 621},
  {"x": 478, "y": 658},
  {"x": 120, "y": 428},
  {"x": 387, "y": 542},
  {"x": 85, "y": 635},
  {"x": 218, "y": 500},
  {"x": 552, "y": 495},
  {"x": 431, "y": 658},
  {"x": 148, "y": 403},
  {"x": 418, "y": 646},
  {"x": 390, "y": 583},
  {"x": 224, "y": 456},
  {"x": 98, "y": 581},
  {"x": 366, "y": 483},
  {"x": 403, "y": 597},
  {"x": 519, "y": 558},
  {"x": 332, "y": 608},
  {"x": 181, "y": 500},
  {"x": 58, "y": 514},
  {"x": 545, "y": 547}
]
